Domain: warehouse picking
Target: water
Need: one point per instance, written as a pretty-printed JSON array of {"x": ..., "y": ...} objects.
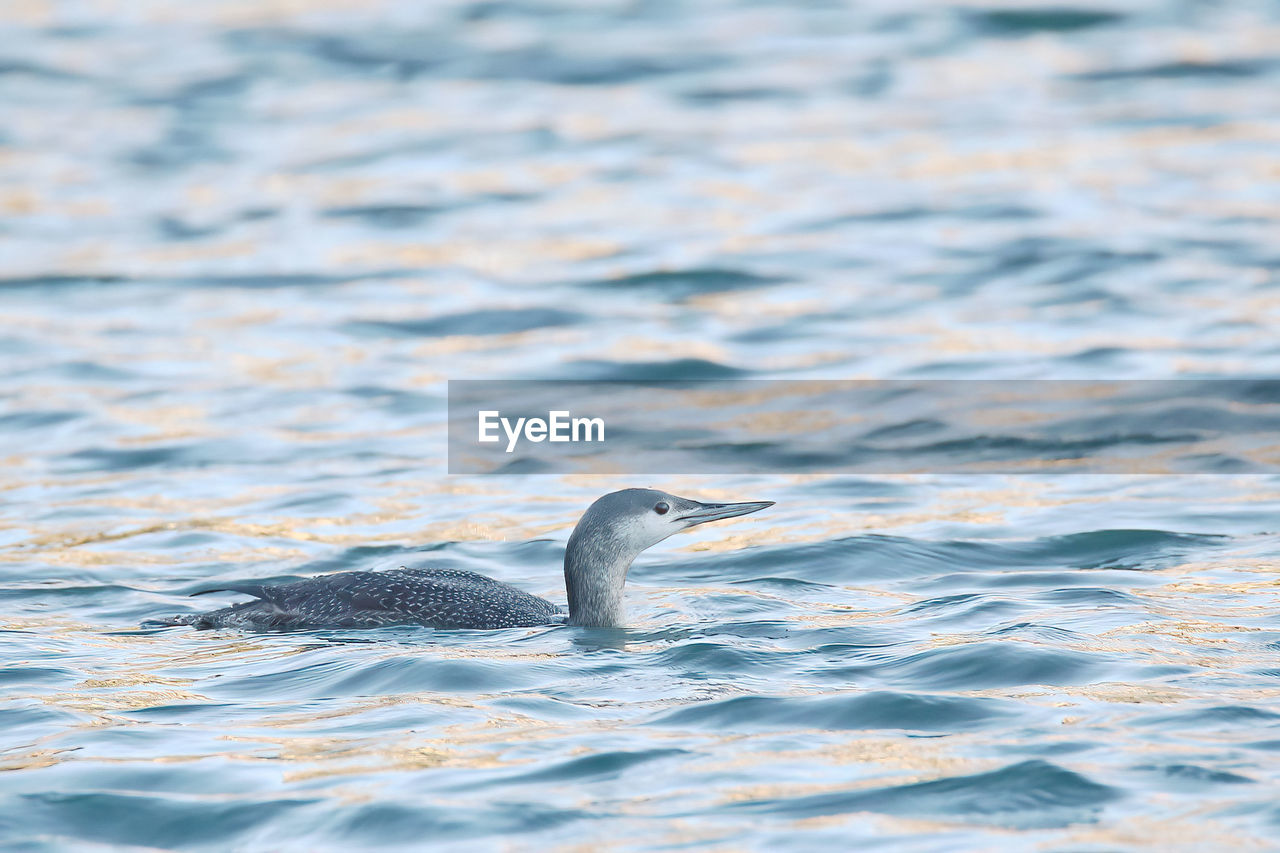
[{"x": 245, "y": 244}]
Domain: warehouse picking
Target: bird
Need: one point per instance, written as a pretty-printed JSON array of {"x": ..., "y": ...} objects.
[{"x": 613, "y": 531}]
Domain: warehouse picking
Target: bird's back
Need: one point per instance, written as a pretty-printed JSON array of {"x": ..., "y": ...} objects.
[{"x": 437, "y": 598}]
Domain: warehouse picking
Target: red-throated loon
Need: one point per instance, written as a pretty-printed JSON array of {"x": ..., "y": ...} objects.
[{"x": 611, "y": 533}]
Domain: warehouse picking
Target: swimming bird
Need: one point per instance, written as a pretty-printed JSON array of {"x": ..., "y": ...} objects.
[{"x": 609, "y": 536}]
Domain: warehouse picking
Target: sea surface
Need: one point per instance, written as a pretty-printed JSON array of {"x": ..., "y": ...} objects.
[{"x": 244, "y": 244}]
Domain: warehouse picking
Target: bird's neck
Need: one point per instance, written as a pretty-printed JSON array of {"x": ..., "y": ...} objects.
[{"x": 595, "y": 571}]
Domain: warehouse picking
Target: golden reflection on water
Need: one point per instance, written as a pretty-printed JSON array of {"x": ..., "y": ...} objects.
[{"x": 1196, "y": 831}]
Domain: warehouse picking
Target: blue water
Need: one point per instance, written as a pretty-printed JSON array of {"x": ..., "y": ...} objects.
[{"x": 244, "y": 244}]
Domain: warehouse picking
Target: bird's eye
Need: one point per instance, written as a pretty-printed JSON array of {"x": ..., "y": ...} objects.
[{"x": 661, "y": 508}]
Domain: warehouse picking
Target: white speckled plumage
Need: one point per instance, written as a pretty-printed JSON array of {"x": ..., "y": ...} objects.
[{"x": 609, "y": 536}]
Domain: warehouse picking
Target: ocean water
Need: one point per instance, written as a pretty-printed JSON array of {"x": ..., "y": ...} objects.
[{"x": 243, "y": 245}]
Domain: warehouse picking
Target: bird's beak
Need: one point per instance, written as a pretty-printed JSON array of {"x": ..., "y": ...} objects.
[{"x": 714, "y": 512}]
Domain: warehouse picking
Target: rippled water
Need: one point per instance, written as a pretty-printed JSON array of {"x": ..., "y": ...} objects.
[{"x": 245, "y": 243}]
